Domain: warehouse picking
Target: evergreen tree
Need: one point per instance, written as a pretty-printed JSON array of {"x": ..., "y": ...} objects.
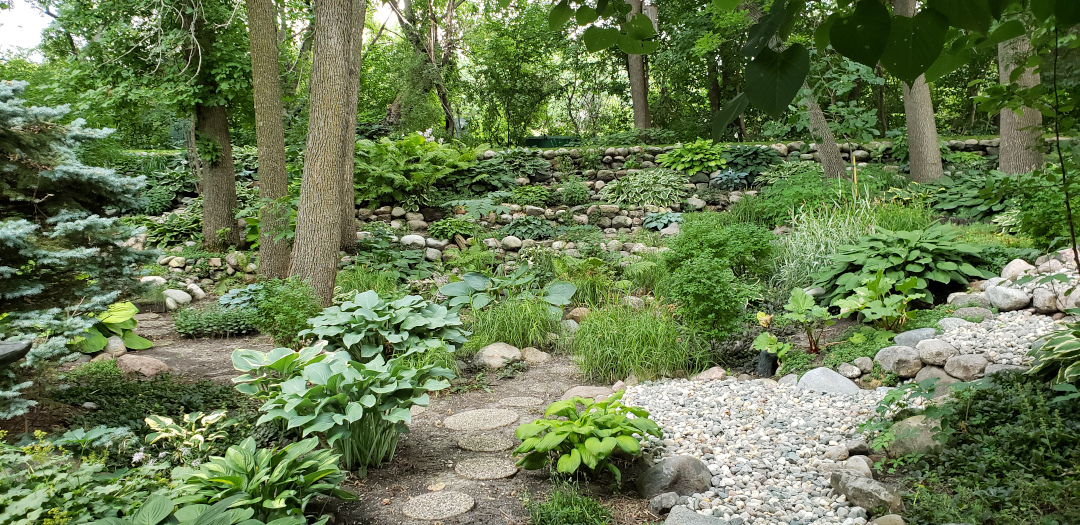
[{"x": 60, "y": 252}]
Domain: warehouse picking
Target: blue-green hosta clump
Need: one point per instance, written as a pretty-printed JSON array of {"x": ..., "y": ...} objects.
[
  {"x": 369, "y": 325},
  {"x": 360, "y": 408}
]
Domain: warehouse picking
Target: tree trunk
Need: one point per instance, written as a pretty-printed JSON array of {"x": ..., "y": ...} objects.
[
  {"x": 828, "y": 150},
  {"x": 639, "y": 86},
  {"x": 348, "y": 196},
  {"x": 218, "y": 178},
  {"x": 270, "y": 138},
  {"x": 716, "y": 102},
  {"x": 1021, "y": 140},
  {"x": 924, "y": 154},
  {"x": 318, "y": 220}
]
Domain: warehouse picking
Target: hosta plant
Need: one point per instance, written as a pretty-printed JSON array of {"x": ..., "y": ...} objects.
[
  {"x": 880, "y": 303},
  {"x": 930, "y": 255},
  {"x": 657, "y": 187},
  {"x": 360, "y": 408},
  {"x": 370, "y": 325},
  {"x": 275, "y": 483},
  {"x": 478, "y": 290},
  {"x": 700, "y": 155},
  {"x": 659, "y": 221},
  {"x": 162, "y": 510},
  {"x": 117, "y": 321},
  {"x": 582, "y": 435},
  {"x": 264, "y": 371},
  {"x": 193, "y": 437},
  {"x": 1057, "y": 358}
]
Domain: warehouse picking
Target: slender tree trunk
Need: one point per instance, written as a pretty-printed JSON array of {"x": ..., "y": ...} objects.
[
  {"x": 318, "y": 220},
  {"x": 348, "y": 196},
  {"x": 828, "y": 150},
  {"x": 923, "y": 149},
  {"x": 218, "y": 178},
  {"x": 270, "y": 138},
  {"x": 639, "y": 86},
  {"x": 716, "y": 102},
  {"x": 1021, "y": 134}
]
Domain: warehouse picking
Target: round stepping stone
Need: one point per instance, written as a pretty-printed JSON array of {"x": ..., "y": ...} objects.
[
  {"x": 438, "y": 505},
  {"x": 484, "y": 442},
  {"x": 521, "y": 401},
  {"x": 485, "y": 468},
  {"x": 482, "y": 419}
]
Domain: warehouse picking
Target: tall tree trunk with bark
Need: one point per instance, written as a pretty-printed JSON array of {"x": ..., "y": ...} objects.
[
  {"x": 639, "y": 83},
  {"x": 270, "y": 138},
  {"x": 318, "y": 219},
  {"x": 348, "y": 196},
  {"x": 924, "y": 153},
  {"x": 1021, "y": 134},
  {"x": 827, "y": 150},
  {"x": 218, "y": 178}
]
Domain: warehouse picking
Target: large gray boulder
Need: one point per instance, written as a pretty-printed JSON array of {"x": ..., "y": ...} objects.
[
  {"x": 685, "y": 516},
  {"x": 935, "y": 351},
  {"x": 683, "y": 475},
  {"x": 912, "y": 337},
  {"x": 1008, "y": 299},
  {"x": 1015, "y": 269},
  {"x": 1044, "y": 300},
  {"x": 997, "y": 369},
  {"x": 969, "y": 299},
  {"x": 943, "y": 379},
  {"x": 966, "y": 367},
  {"x": 12, "y": 351},
  {"x": 914, "y": 435},
  {"x": 901, "y": 360},
  {"x": 865, "y": 492},
  {"x": 497, "y": 355},
  {"x": 415, "y": 242},
  {"x": 826, "y": 380}
]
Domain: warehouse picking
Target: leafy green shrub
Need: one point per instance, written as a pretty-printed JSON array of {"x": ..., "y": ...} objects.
[
  {"x": 752, "y": 160},
  {"x": 746, "y": 248},
  {"x": 699, "y": 156},
  {"x": 497, "y": 173},
  {"x": 243, "y": 297},
  {"x": 478, "y": 290},
  {"x": 616, "y": 341},
  {"x": 368, "y": 326},
  {"x": 573, "y": 191},
  {"x": 158, "y": 200},
  {"x": 449, "y": 227},
  {"x": 930, "y": 255},
  {"x": 521, "y": 322},
  {"x": 1042, "y": 212},
  {"x": 394, "y": 171},
  {"x": 709, "y": 295},
  {"x": 358, "y": 278},
  {"x": 803, "y": 310},
  {"x": 777, "y": 202},
  {"x": 361, "y": 408},
  {"x": 529, "y": 228},
  {"x": 587, "y": 437},
  {"x": 971, "y": 195},
  {"x": 659, "y": 221},
  {"x": 646, "y": 273},
  {"x": 117, "y": 321},
  {"x": 476, "y": 258},
  {"x": 593, "y": 278},
  {"x": 657, "y": 187},
  {"x": 566, "y": 505},
  {"x": 215, "y": 321},
  {"x": 276, "y": 483},
  {"x": 791, "y": 169},
  {"x": 283, "y": 309},
  {"x": 175, "y": 228},
  {"x": 379, "y": 252},
  {"x": 876, "y": 302},
  {"x": 649, "y": 136},
  {"x": 531, "y": 195}
]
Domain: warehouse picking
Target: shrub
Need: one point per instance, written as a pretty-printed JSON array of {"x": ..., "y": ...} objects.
[
  {"x": 693, "y": 157},
  {"x": 361, "y": 408},
  {"x": 787, "y": 170},
  {"x": 275, "y": 483},
  {"x": 193, "y": 437},
  {"x": 745, "y": 248},
  {"x": 398, "y": 171},
  {"x": 380, "y": 252},
  {"x": 283, "y": 309},
  {"x": 971, "y": 195},
  {"x": 709, "y": 295},
  {"x": 646, "y": 273},
  {"x": 593, "y": 278},
  {"x": 215, "y": 321},
  {"x": 776, "y": 203},
  {"x": 573, "y": 192},
  {"x": 368, "y": 326},
  {"x": 497, "y": 173},
  {"x": 930, "y": 255},
  {"x": 657, "y": 187},
  {"x": 535, "y": 228},
  {"x": 449, "y": 227},
  {"x": 875, "y": 301},
  {"x": 752, "y": 160},
  {"x": 531, "y": 195},
  {"x": 566, "y": 505},
  {"x": 729, "y": 180},
  {"x": 587, "y": 438},
  {"x": 521, "y": 322},
  {"x": 616, "y": 341},
  {"x": 243, "y": 297}
]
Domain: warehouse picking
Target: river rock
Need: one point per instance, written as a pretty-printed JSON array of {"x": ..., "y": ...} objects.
[
  {"x": 824, "y": 379},
  {"x": 683, "y": 475},
  {"x": 966, "y": 367},
  {"x": 935, "y": 351},
  {"x": 497, "y": 355},
  {"x": 901, "y": 360}
]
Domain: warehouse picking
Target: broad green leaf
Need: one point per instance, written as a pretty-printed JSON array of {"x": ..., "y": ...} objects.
[
  {"x": 632, "y": 46},
  {"x": 586, "y": 15},
  {"x": 153, "y": 511},
  {"x": 599, "y": 38},
  {"x": 136, "y": 342},
  {"x": 476, "y": 281},
  {"x": 560, "y": 15},
  {"x": 971, "y": 15},
  {"x": 761, "y": 33},
  {"x": 914, "y": 44},
  {"x": 569, "y": 463},
  {"x": 529, "y": 430},
  {"x": 628, "y": 444},
  {"x": 119, "y": 312},
  {"x": 773, "y": 79},
  {"x": 551, "y": 440},
  {"x": 863, "y": 35},
  {"x": 731, "y": 111}
]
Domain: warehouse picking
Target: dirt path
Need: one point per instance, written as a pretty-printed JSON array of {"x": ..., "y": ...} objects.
[{"x": 456, "y": 464}]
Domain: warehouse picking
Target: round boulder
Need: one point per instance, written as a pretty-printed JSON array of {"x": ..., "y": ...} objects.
[{"x": 901, "y": 360}]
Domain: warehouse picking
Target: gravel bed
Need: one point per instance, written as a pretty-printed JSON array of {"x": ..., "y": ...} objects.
[
  {"x": 1005, "y": 339},
  {"x": 764, "y": 443}
]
